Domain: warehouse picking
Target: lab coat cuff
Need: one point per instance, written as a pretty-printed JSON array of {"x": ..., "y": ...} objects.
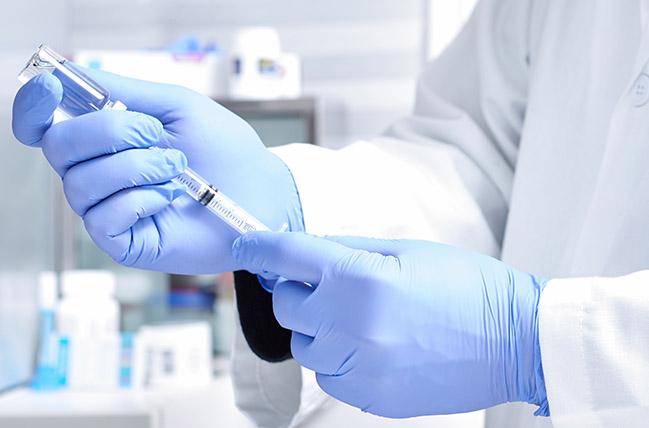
[
  {"x": 593, "y": 336},
  {"x": 562, "y": 308}
]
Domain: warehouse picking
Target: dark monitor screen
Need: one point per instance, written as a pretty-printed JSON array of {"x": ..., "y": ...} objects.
[
  {"x": 278, "y": 130},
  {"x": 279, "y": 122}
]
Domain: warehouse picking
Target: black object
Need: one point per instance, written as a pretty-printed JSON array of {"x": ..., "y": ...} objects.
[{"x": 267, "y": 339}]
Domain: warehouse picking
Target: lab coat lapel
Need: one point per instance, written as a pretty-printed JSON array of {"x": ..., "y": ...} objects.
[{"x": 620, "y": 204}]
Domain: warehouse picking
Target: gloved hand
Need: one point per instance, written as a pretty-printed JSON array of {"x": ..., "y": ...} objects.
[
  {"x": 404, "y": 328},
  {"x": 122, "y": 189}
]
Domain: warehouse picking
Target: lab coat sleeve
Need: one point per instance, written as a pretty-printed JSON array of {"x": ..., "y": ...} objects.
[
  {"x": 594, "y": 336},
  {"x": 443, "y": 173}
]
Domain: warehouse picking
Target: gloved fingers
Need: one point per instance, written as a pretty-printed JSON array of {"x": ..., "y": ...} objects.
[
  {"x": 140, "y": 245},
  {"x": 108, "y": 221},
  {"x": 156, "y": 99},
  {"x": 324, "y": 354},
  {"x": 89, "y": 182},
  {"x": 385, "y": 247},
  {"x": 291, "y": 308},
  {"x": 96, "y": 134},
  {"x": 295, "y": 256},
  {"x": 33, "y": 108}
]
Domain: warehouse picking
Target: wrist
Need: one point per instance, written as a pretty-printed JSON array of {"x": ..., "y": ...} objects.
[
  {"x": 287, "y": 205},
  {"x": 294, "y": 216},
  {"x": 530, "y": 381},
  {"x": 294, "y": 213}
]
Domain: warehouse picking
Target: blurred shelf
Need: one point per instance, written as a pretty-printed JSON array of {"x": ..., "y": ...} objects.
[
  {"x": 304, "y": 106},
  {"x": 178, "y": 408}
]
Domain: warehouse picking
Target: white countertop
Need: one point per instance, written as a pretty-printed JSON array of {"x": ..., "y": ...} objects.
[{"x": 210, "y": 406}]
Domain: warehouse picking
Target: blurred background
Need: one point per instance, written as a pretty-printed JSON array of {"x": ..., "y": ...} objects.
[{"x": 339, "y": 71}]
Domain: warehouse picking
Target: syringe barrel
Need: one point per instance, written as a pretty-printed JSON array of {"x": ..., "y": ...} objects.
[{"x": 218, "y": 203}]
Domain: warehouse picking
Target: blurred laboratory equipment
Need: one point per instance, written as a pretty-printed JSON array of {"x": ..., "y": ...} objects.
[
  {"x": 259, "y": 68},
  {"x": 173, "y": 356},
  {"x": 50, "y": 361},
  {"x": 225, "y": 315},
  {"x": 88, "y": 316},
  {"x": 202, "y": 69},
  {"x": 255, "y": 69},
  {"x": 81, "y": 346},
  {"x": 192, "y": 298}
]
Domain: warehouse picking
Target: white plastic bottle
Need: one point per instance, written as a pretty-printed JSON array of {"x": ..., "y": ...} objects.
[{"x": 88, "y": 315}]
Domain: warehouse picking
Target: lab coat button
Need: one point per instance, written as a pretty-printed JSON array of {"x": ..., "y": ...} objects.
[{"x": 640, "y": 90}]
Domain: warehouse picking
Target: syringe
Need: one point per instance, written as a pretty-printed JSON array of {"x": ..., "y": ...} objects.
[{"x": 83, "y": 95}]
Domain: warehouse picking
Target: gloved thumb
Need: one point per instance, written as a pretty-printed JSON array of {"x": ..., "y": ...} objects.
[{"x": 34, "y": 107}]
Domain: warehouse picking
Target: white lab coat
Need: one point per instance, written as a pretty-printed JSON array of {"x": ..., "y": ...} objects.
[{"x": 533, "y": 125}]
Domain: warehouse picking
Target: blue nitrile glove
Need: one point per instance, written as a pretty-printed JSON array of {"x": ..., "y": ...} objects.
[
  {"x": 404, "y": 328},
  {"x": 121, "y": 188}
]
